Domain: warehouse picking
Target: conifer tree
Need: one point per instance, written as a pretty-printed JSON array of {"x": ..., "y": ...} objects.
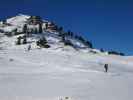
[
  {"x": 40, "y": 28},
  {"x": 24, "y": 40},
  {"x": 60, "y": 29},
  {"x": 25, "y": 28},
  {"x": 81, "y": 39},
  {"x": 69, "y": 33},
  {"x": 46, "y": 25},
  {"x": 35, "y": 31},
  {"x": 18, "y": 40},
  {"x": 101, "y": 50},
  {"x": 43, "y": 43},
  {"x": 63, "y": 37},
  {"x": 89, "y": 44}
]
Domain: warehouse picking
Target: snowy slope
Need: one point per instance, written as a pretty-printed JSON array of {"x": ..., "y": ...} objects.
[
  {"x": 18, "y": 20},
  {"x": 51, "y": 74},
  {"x": 61, "y": 71}
]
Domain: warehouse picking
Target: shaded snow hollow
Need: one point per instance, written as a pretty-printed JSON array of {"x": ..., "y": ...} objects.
[{"x": 60, "y": 72}]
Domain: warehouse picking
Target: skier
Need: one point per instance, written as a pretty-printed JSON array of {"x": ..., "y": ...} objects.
[
  {"x": 106, "y": 67},
  {"x": 29, "y": 47}
]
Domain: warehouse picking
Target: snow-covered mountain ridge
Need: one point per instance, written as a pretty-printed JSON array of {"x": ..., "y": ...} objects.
[
  {"x": 31, "y": 70},
  {"x": 35, "y": 26},
  {"x": 15, "y": 26}
]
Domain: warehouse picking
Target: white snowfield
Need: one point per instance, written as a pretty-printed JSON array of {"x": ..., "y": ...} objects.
[
  {"x": 61, "y": 73},
  {"x": 18, "y": 20}
]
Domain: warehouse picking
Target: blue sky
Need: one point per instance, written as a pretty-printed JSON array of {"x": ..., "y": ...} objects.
[{"x": 107, "y": 23}]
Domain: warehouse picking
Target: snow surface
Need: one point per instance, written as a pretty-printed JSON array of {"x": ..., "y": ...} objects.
[
  {"x": 47, "y": 74},
  {"x": 18, "y": 20},
  {"x": 61, "y": 71}
]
